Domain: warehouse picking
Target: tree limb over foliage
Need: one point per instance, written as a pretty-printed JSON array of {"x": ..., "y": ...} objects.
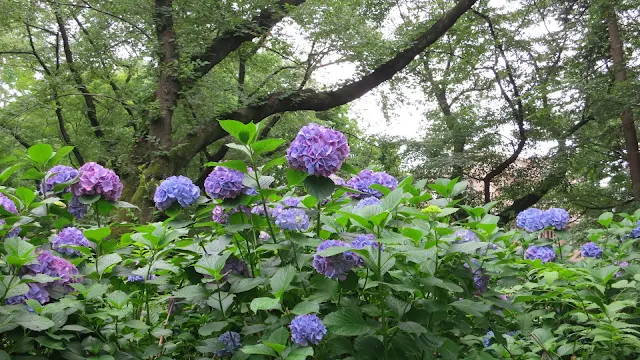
[{"x": 308, "y": 99}]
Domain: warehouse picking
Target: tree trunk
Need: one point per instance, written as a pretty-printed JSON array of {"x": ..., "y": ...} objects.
[{"x": 628, "y": 125}]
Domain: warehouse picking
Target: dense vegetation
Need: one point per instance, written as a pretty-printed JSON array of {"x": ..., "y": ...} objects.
[{"x": 370, "y": 268}]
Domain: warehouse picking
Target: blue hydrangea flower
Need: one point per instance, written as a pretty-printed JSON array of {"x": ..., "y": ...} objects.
[
  {"x": 337, "y": 180},
  {"x": 544, "y": 253},
  {"x": 465, "y": 236},
  {"x": 58, "y": 174},
  {"x": 318, "y": 150},
  {"x": 480, "y": 279},
  {"x": 590, "y": 249},
  {"x": 292, "y": 219},
  {"x": 531, "y": 220},
  {"x": 291, "y": 202},
  {"x": 173, "y": 189},
  {"x": 139, "y": 278},
  {"x": 258, "y": 210},
  {"x": 635, "y": 233},
  {"x": 224, "y": 183},
  {"x": 307, "y": 329},
  {"x": 69, "y": 236},
  {"x": 9, "y": 206},
  {"x": 37, "y": 292},
  {"x": 366, "y": 178},
  {"x": 487, "y": 339},
  {"x": 337, "y": 266},
  {"x": 365, "y": 240},
  {"x": 368, "y": 201},
  {"x": 264, "y": 236},
  {"x": 219, "y": 215},
  {"x": 556, "y": 217},
  {"x": 231, "y": 340},
  {"x": 77, "y": 209}
]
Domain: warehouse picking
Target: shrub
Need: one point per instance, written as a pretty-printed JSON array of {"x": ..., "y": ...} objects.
[{"x": 320, "y": 276}]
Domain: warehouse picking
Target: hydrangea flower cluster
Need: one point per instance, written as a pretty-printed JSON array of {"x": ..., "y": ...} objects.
[
  {"x": 264, "y": 236},
  {"x": 486, "y": 340},
  {"x": 291, "y": 202},
  {"x": 58, "y": 174},
  {"x": 97, "y": 180},
  {"x": 224, "y": 183},
  {"x": 635, "y": 233},
  {"x": 173, "y": 189},
  {"x": 337, "y": 180},
  {"x": 465, "y": 236},
  {"x": 590, "y": 249},
  {"x": 534, "y": 219},
  {"x": 9, "y": 206},
  {"x": 69, "y": 236},
  {"x": 294, "y": 219},
  {"x": 54, "y": 266},
  {"x": 318, "y": 150},
  {"x": 336, "y": 266},
  {"x": 231, "y": 340},
  {"x": 431, "y": 210},
  {"x": 139, "y": 278},
  {"x": 36, "y": 292},
  {"x": 365, "y": 240},
  {"x": 480, "y": 279},
  {"x": 366, "y": 178},
  {"x": 76, "y": 208},
  {"x": 544, "y": 253},
  {"x": 307, "y": 329},
  {"x": 233, "y": 265},
  {"x": 368, "y": 201},
  {"x": 221, "y": 216}
]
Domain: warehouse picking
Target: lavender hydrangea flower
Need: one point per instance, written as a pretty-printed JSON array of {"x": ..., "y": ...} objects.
[
  {"x": 9, "y": 206},
  {"x": 318, "y": 150},
  {"x": 635, "y": 233},
  {"x": 58, "y": 174},
  {"x": 233, "y": 265},
  {"x": 55, "y": 266},
  {"x": 139, "y": 278},
  {"x": 231, "y": 340},
  {"x": 622, "y": 264},
  {"x": 264, "y": 236},
  {"x": 307, "y": 329},
  {"x": 465, "y": 236},
  {"x": 366, "y": 178},
  {"x": 97, "y": 180},
  {"x": 76, "y": 208},
  {"x": 531, "y": 219},
  {"x": 487, "y": 339},
  {"x": 337, "y": 180},
  {"x": 337, "y": 266},
  {"x": 368, "y": 201},
  {"x": 219, "y": 215},
  {"x": 173, "y": 189},
  {"x": 556, "y": 217},
  {"x": 37, "y": 292},
  {"x": 292, "y": 219},
  {"x": 363, "y": 240},
  {"x": 224, "y": 183},
  {"x": 590, "y": 249},
  {"x": 544, "y": 253},
  {"x": 291, "y": 202},
  {"x": 69, "y": 236},
  {"x": 480, "y": 279}
]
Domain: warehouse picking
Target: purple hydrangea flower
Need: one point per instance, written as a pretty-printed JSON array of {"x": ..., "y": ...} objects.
[
  {"x": 233, "y": 265},
  {"x": 76, "y": 208},
  {"x": 590, "y": 249},
  {"x": 556, "y": 217},
  {"x": 307, "y": 329},
  {"x": 622, "y": 264},
  {"x": 291, "y": 202},
  {"x": 363, "y": 240},
  {"x": 219, "y": 215},
  {"x": 635, "y": 233},
  {"x": 544, "y": 253},
  {"x": 224, "y": 183},
  {"x": 465, "y": 236},
  {"x": 480, "y": 279},
  {"x": 531, "y": 219},
  {"x": 337, "y": 266},
  {"x": 97, "y": 180},
  {"x": 231, "y": 340},
  {"x": 292, "y": 219},
  {"x": 55, "y": 266},
  {"x": 37, "y": 292},
  {"x": 258, "y": 210},
  {"x": 487, "y": 339},
  {"x": 368, "y": 201},
  {"x": 9, "y": 206},
  {"x": 58, "y": 174},
  {"x": 264, "y": 236},
  {"x": 337, "y": 180},
  {"x": 69, "y": 236},
  {"x": 318, "y": 150},
  {"x": 139, "y": 278},
  {"x": 366, "y": 178},
  {"x": 178, "y": 189}
]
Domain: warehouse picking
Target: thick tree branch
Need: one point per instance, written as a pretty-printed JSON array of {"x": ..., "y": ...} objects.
[
  {"x": 17, "y": 137},
  {"x": 308, "y": 99},
  {"x": 230, "y": 40}
]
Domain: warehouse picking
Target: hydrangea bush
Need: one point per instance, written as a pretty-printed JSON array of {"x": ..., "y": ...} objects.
[{"x": 305, "y": 267}]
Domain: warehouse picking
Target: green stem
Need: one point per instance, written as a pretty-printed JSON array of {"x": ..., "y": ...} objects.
[
  {"x": 318, "y": 219},
  {"x": 382, "y": 303},
  {"x": 249, "y": 246},
  {"x": 9, "y": 286},
  {"x": 295, "y": 256},
  {"x": 146, "y": 289}
]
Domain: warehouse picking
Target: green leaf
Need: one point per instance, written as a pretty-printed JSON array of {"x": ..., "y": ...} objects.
[
  {"x": 348, "y": 168},
  {"x": 231, "y": 164},
  {"x": 106, "y": 261},
  {"x": 124, "y": 205},
  {"x": 474, "y": 308},
  {"x": 263, "y": 146},
  {"x": 76, "y": 329},
  {"x": 97, "y": 235},
  {"x": 319, "y": 187},
  {"x": 26, "y": 195},
  {"x": 264, "y": 303},
  {"x": 274, "y": 162},
  {"x": 279, "y": 336},
  {"x": 605, "y": 219},
  {"x": 306, "y": 307},
  {"x": 34, "y": 322},
  {"x": 346, "y": 322},
  {"x": 334, "y": 250},
  {"x": 211, "y": 265},
  {"x": 240, "y": 131},
  {"x": 243, "y": 285},
  {"x": 281, "y": 280},
  {"x": 212, "y": 327},
  {"x": 412, "y": 327},
  {"x": 136, "y": 324},
  {"x": 40, "y": 153},
  {"x": 6, "y": 173},
  {"x": 62, "y": 152},
  {"x": 393, "y": 199},
  {"x": 295, "y": 177},
  {"x": 88, "y": 199},
  {"x": 568, "y": 349},
  {"x": 300, "y": 353},
  {"x": 19, "y": 252},
  {"x": 259, "y": 349}
]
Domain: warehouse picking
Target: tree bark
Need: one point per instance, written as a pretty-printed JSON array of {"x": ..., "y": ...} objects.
[{"x": 626, "y": 116}]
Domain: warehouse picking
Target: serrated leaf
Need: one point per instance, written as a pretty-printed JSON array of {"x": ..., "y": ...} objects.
[
  {"x": 259, "y": 349},
  {"x": 334, "y": 250},
  {"x": 212, "y": 327},
  {"x": 106, "y": 261},
  {"x": 306, "y": 307},
  {"x": 346, "y": 322},
  {"x": 34, "y": 322},
  {"x": 281, "y": 280},
  {"x": 295, "y": 177},
  {"x": 474, "y": 308},
  {"x": 247, "y": 284},
  {"x": 267, "y": 145},
  {"x": 412, "y": 327},
  {"x": 264, "y": 303},
  {"x": 319, "y": 187}
]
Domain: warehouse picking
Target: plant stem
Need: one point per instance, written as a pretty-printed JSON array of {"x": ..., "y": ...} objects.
[
  {"x": 382, "y": 303},
  {"x": 295, "y": 256},
  {"x": 13, "y": 276},
  {"x": 318, "y": 219}
]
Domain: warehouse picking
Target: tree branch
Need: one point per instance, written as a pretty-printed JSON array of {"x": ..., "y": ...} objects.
[
  {"x": 308, "y": 99},
  {"x": 17, "y": 136}
]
